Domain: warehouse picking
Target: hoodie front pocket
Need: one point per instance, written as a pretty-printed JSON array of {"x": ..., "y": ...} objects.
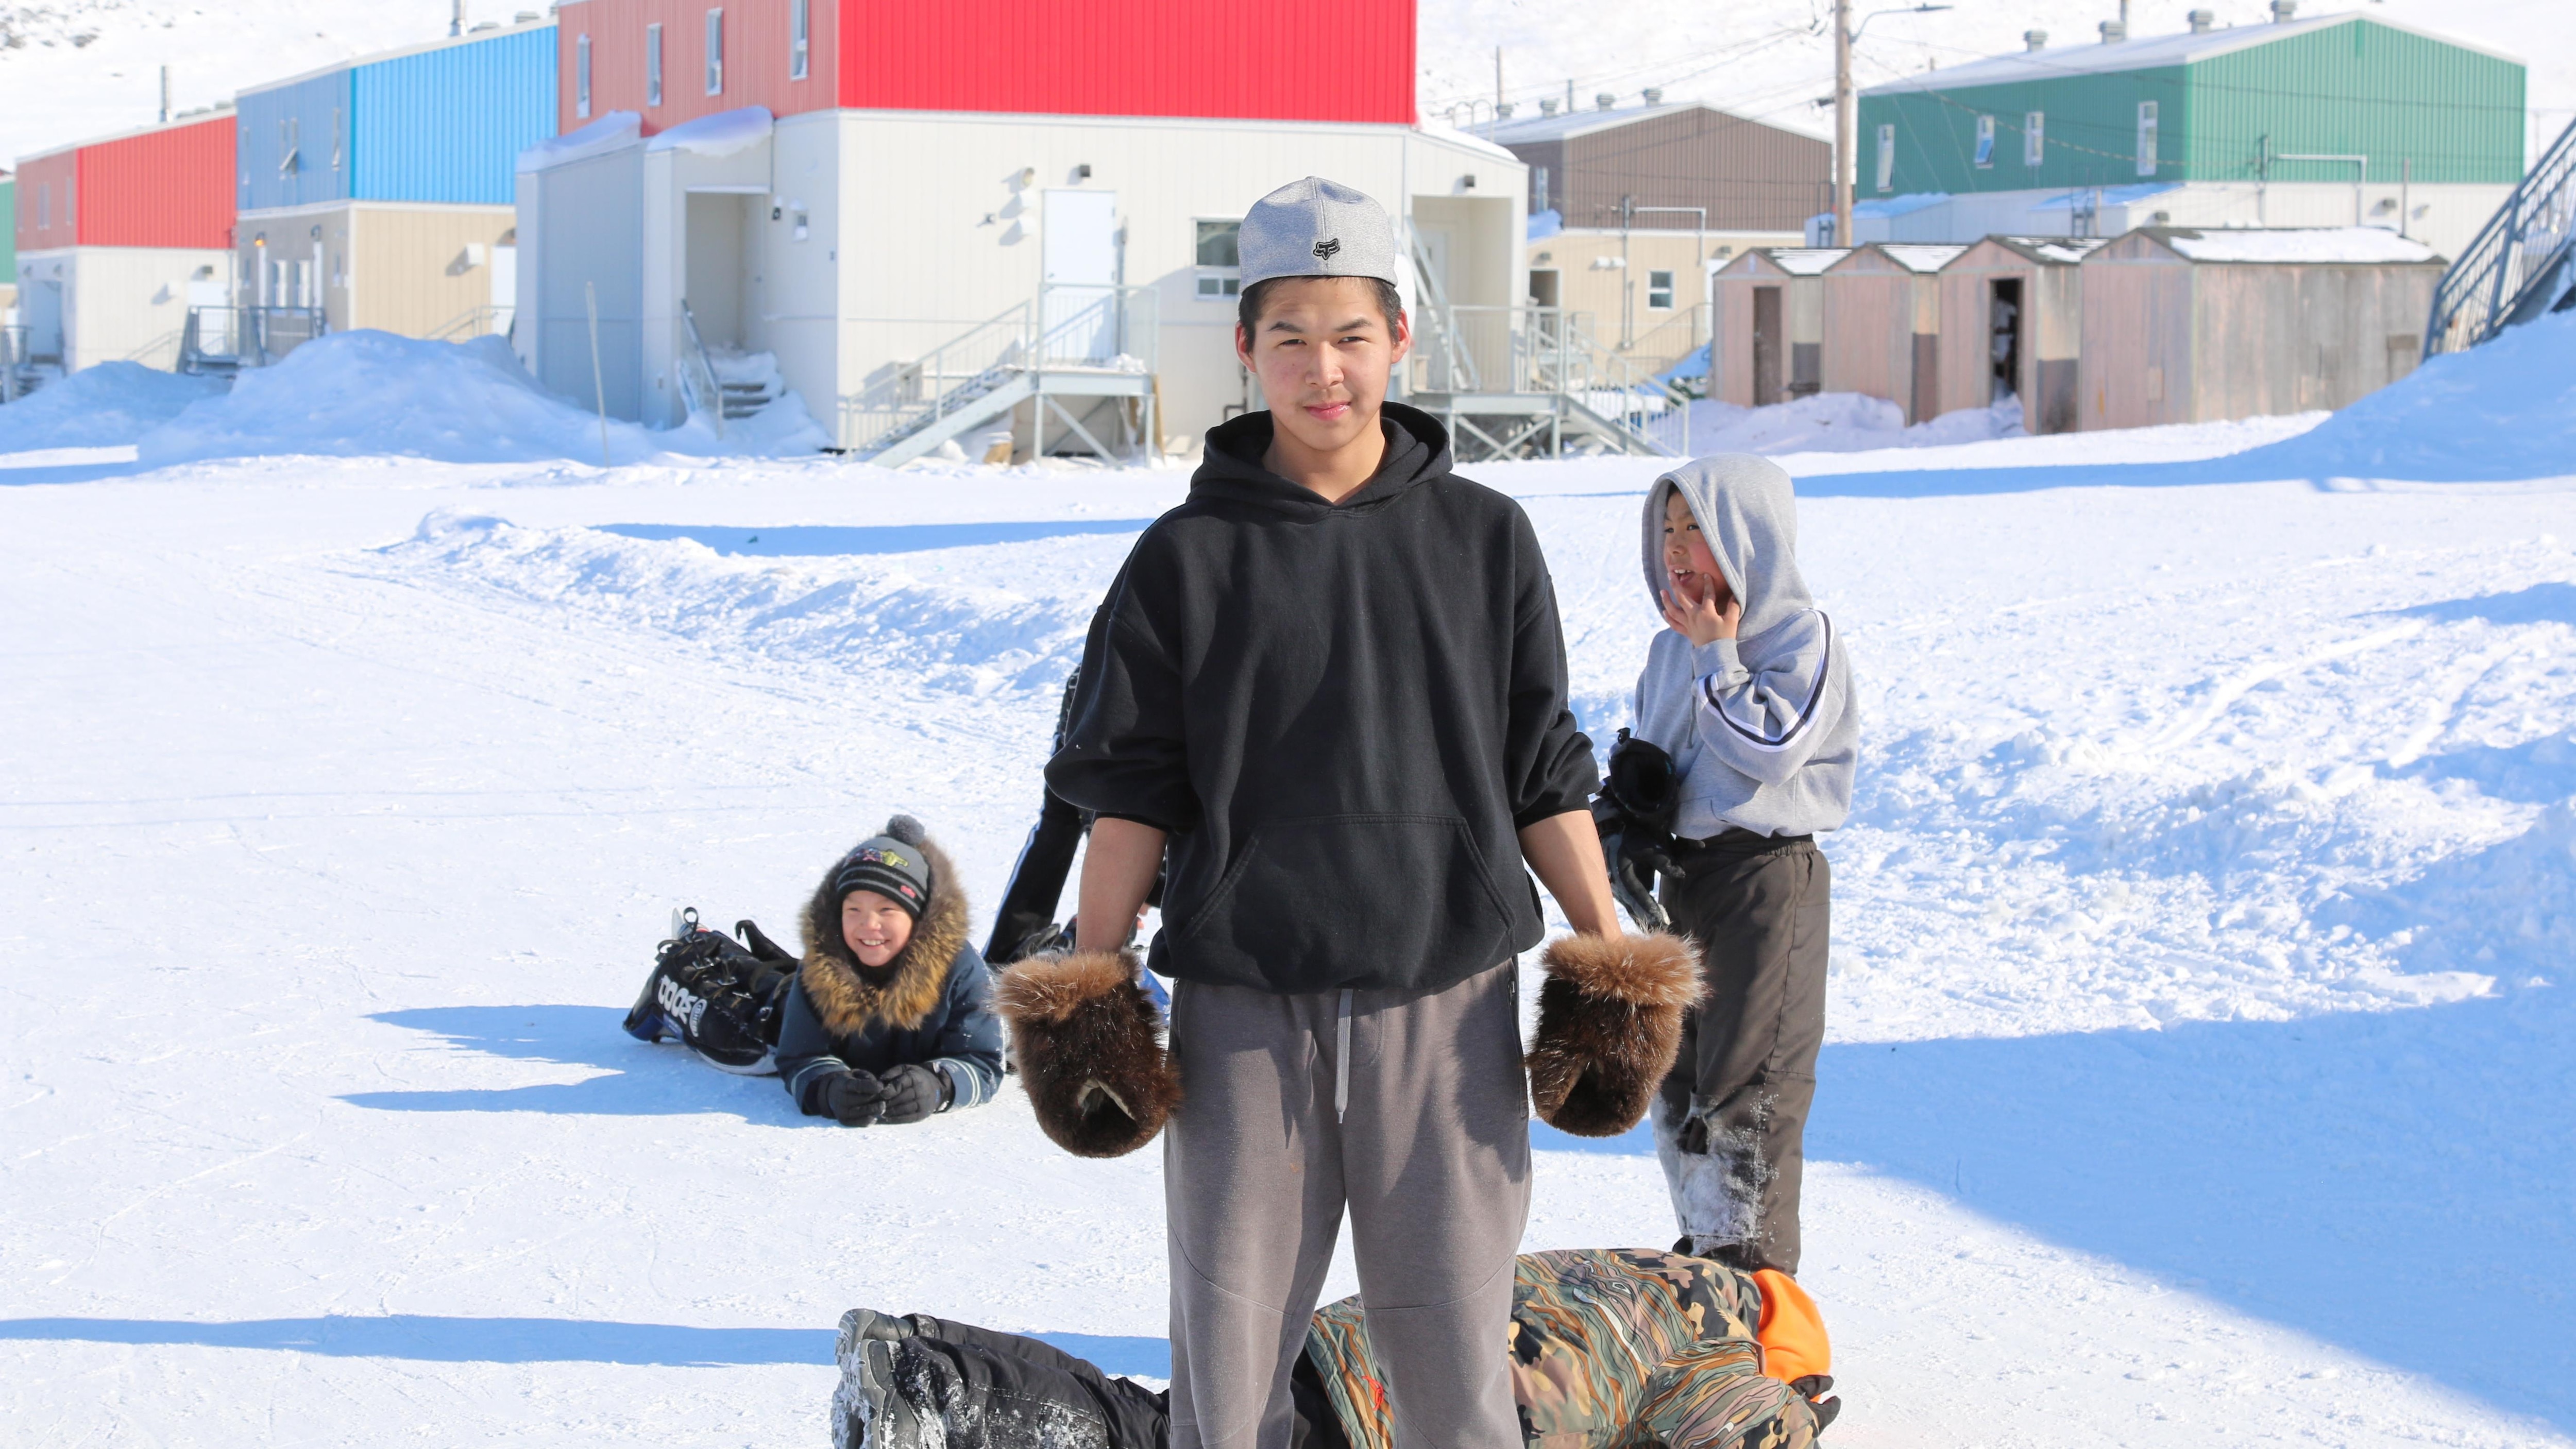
[{"x": 1325, "y": 899}]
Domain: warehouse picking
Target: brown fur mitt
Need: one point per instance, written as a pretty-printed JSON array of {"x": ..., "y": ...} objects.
[
  {"x": 1609, "y": 1022},
  {"x": 1090, "y": 1050}
]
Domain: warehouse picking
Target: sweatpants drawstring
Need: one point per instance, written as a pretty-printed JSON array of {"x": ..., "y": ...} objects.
[{"x": 1342, "y": 1058}]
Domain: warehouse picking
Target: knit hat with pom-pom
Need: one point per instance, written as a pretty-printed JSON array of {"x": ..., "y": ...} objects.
[{"x": 893, "y": 865}]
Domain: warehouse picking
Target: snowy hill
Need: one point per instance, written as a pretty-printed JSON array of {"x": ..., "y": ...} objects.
[{"x": 72, "y": 69}]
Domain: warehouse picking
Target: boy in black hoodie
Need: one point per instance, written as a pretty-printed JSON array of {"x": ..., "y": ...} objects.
[{"x": 1332, "y": 684}]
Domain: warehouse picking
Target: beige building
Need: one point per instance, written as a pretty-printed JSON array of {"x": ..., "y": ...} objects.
[
  {"x": 417, "y": 268},
  {"x": 86, "y": 305},
  {"x": 1643, "y": 293}
]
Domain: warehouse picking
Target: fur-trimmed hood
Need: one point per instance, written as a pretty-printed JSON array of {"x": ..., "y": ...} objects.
[{"x": 849, "y": 998}]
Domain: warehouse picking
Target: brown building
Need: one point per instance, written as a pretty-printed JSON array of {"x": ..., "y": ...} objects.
[
  {"x": 1769, "y": 326},
  {"x": 2183, "y": 325},
  {"x": 1883, "y": 324},
  {"x": 1593, "y": 167}
]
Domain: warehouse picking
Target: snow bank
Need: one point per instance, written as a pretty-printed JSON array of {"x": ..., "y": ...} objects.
[
  {"x": 2299, "y": 244},
  {"x": 1826, "y": 422},
  {"x": 2506, "y": 410},
  {"x": 358, "y": 394},
  {"x": 106, "y": 406}
]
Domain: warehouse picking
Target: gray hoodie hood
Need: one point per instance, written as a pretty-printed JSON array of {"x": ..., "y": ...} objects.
[{"x": 1748, "y": 510}]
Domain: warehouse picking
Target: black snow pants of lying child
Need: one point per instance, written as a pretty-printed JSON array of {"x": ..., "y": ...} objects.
[
  {"x": 1731, "y": 1121},
  {"x": 955, "y": 1386}
]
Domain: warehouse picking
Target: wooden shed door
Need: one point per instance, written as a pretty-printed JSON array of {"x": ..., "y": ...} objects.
[{"x": 1767, "y": 338}]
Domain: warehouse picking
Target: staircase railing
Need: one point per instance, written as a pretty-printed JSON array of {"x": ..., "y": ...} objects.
[
  {"x": 1064, "y": 329},
  {"x": 698, "y": 374},
  {"x": 1538, "y": 350},
  {"x": 473, "y": 322},
  {"x": 13, "y": 353},
  {"x": 2519, "y": 262},
  {"x": 228, "y": 339}
]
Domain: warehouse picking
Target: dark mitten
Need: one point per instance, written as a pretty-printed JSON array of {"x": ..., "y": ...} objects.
[
  {"x": 1813, "y": 1389},
  {"x": 912, "y": 1092},
  {"x": 1090, "y": 1049},
  {"x": 1609, "y": 1023},
  {"x": 856, "y": 1098}
]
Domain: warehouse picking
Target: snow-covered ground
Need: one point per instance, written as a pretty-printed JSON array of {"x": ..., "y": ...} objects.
[{"x": 2202, "y": 1060}]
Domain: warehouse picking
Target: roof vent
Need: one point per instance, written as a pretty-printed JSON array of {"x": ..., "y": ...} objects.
[
  {"x": 526, "y": 17},
  {"x": 1547, "y": 107},
  {"x": 2202, "y": 20},
  {"x": 2283, "y": 11},
  {"x": 2113, "y": 32},
  {"x": 482, "y": 25},
  {"x": 1605, "y": 101},
  {"x": 2035, "y": 39},
  {"x": 1503, "y": 112},
  {"x": 1654, "y": 95}
]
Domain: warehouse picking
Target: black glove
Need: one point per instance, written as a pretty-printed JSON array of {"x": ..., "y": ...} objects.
[
  {"x": 912, "y": 1092},
  {"x": 856, "y": 1098},
  {"x": 1813, "y": 1389}
]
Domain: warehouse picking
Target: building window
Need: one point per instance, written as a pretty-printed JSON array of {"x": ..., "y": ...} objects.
[
  {"x": 715, "y": 52},
  {"x": 2146, "y": 138},
  {"x": 44, "y": 205},
  {"x": 1985, "y": 141},
  {"x": 800, "y": 38},
  {"x": 1886, "y": 159},
  {"x": 652, "y": 65},
  {"x": 289, "y": 161},
  {"x": 336, "y": 144},
  {"x": 1659, "y": 291},
  {"x": 581, "y": 77},
  {"x": 1220, "y": 265},
  {"x": 2034, "y": 133},
  {"x": 1538, "y": 189}
]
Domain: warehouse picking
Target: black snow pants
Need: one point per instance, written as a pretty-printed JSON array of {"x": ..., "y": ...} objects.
[
  {"x": 1002, "y": 1391},
  {"x": 1731, "y": 1121}
]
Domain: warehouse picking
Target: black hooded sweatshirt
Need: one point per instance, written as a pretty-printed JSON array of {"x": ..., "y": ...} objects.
[{"x": 1343, "y": 713}]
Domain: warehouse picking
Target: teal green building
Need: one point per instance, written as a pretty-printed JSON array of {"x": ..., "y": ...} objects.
[{"x": 2389, "y": 103}]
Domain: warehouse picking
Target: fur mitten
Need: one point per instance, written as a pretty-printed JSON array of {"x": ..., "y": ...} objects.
[
  {"x": 1090, "y": 1050},
  {"x": 1609, "y": 1022}
]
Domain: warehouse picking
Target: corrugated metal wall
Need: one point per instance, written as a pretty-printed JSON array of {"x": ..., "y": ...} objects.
[
  {"x": 758, "y": 61},
  {"x": 1338, "y": 60},
  {"x": 448, "y": 124},
  {"x": 44, "y": 221},
  {"x": 171, "y": 187},
  {"x": 9, "y": 237},
  {"x": 2359, "y": 89},
  {"x": 2089, "y": 136},
  {"x": 306, "y": 120},
  {"x": 1749, "y": 176}
]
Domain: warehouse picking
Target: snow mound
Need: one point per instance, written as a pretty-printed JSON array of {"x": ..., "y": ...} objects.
[
  {"x": 923, "y": 622},
  {"x": 365, "y": 393},
  {"x": 107, "y": 406},
  {"x": 1826, "y": 422},
  {"x": 2503, "y": 411}
]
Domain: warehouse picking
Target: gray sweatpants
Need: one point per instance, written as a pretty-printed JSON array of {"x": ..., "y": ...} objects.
[{"x": 1430, "y": 1153}]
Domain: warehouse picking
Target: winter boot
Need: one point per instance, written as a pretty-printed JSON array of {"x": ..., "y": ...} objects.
[{"x": 869, "y": 1410}]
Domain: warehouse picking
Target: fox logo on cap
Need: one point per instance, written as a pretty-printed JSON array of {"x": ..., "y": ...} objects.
[{"x": 1325, "y": 249}]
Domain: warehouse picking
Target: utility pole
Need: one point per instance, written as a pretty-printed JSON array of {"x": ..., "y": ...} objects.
[
  {"x": 165, "y": 95},
  {"x": 1498, "y": 85},
  {"x": 1844, "y": 124}
]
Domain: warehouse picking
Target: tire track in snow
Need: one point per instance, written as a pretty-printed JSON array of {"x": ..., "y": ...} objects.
[{"x": 2246, "y": 682}]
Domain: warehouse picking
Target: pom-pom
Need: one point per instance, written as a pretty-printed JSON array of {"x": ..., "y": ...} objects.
[{"x": 907, "y": 830}]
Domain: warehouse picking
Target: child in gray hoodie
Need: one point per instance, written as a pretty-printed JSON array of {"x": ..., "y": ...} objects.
[{"x": 1748, "y": 692}]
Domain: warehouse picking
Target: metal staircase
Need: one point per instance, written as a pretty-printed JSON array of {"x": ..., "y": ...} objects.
[
  {"x": 1531, "y": 382},
  {"x": 2523, "y": 264},
  {"x": 20, "y": 374},
  {"x": 1093, "y": 344},
  {"x": 221, "y": 341}
]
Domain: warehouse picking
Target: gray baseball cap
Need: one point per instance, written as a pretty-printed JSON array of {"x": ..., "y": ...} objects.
[{"x": 1316, "y": 228}]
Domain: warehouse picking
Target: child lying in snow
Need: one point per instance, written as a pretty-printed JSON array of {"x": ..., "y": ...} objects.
[
  {"x": 886, "y": 1018},
  {"x": 1608, "y": 1346}
]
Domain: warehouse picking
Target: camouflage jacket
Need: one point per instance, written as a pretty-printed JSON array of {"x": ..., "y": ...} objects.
[{"x": 1610, "y": 1349}]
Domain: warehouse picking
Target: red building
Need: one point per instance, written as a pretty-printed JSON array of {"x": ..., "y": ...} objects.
[
  {"x": 117, "y": 238},
  {"x": 894, "y": 199}
]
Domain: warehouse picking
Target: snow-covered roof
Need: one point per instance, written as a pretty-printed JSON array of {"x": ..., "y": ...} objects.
[
  {"x": 725, "y": 133},
  {"x": 1465, "y": 141},
  {"x": 2066, "y": 249},
  {"x": 612, "y": 132},
  {"x": 2293, "y": 244},
  {"x": 1530, "y": 130},
  {"x": 2090, "y": 196},
  {"x": 2162, "y": 50},
  {"x": 1920, "y": 256},
  {"x": 1797, "y": 261}
]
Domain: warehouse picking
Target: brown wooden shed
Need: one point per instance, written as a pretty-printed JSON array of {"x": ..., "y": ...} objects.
[
  {"x": 2031, "y": 295},
  {"x": 1767, "y": 326},
  {"x": 1883, "y": 324},
  {"x": 2183, "y": 325}
]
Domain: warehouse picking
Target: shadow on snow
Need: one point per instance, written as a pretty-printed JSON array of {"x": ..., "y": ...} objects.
[
  {"x": 818, "y": 540},
  {"x": 641, "y": 1080}
]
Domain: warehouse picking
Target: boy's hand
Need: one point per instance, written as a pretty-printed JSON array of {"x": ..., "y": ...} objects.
[{"x": 1703, "y": 620}]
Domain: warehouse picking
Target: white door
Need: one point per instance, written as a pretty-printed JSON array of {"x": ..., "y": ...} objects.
[
  {"x": 40, "y": 310},
  {"x": 1079, "y": 237}
]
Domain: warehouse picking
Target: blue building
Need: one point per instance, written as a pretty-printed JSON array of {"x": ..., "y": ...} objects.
[{"x": 381, "y": 190}]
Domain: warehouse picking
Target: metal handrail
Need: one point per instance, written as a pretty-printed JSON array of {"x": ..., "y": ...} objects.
[
  {"x": 2518, "y": 251},
  {"x": 698, "y": 373},
  {"x": 254, "y": 336},
  {"x": 472, "y": 322},
  {"x": 1065, "y": 328}
]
